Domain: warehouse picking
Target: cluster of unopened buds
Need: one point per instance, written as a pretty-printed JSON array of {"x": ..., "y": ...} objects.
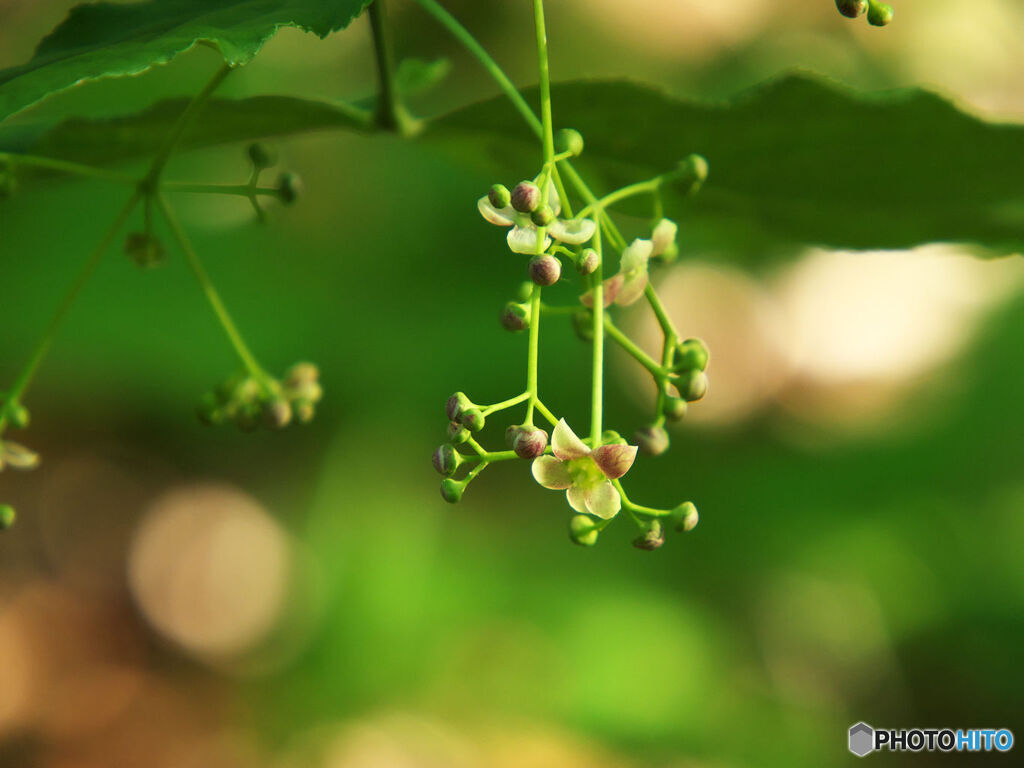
[
  {"x": 542, "y": 226},
  {"x": 879, "y": 14},
  {"x": 250, "y": 400}
]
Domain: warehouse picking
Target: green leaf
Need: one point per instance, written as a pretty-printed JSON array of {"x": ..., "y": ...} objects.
[
  {"x": 106, "y": 40},
  {"x": 417, "y": 75}
]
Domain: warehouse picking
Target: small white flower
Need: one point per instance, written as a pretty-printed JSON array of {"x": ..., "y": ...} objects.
[
  {"x": 664, "y": 236},
  {"x": 522, "y": 238},
  {"x": 628, "y": 285}
]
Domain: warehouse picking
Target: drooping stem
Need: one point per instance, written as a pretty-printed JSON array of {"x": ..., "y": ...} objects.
[
  {"x": 24, "y": 379},
  {"x": 629, "y": 346},
  {"x": 208, "y": 288}
]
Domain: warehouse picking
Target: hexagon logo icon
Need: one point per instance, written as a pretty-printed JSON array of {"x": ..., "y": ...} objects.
[{"x": 862, "y": 739}]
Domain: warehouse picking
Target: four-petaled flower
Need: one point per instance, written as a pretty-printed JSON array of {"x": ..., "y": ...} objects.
[
  {"x": 584, "y": 474},
  {"x": 628, "y": 285},
  {"x": 522, "y": 238}
]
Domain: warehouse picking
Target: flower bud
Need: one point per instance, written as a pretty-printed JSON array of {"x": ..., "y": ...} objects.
[
  {"x": 569, "y": 140},
  {"x": 543, "y": 216},
  {"x": 852, "y": 8},
  {"x": 588, "y": 262},
  {"x": 611, "y": 437},
  {"x": 691, "y": 355},
  {"x": 515, "y": 316},
  {"x": 456, "y": 404},
  {"x": 692, "y": 385},
  {"x": 879, "y": 14},
  {"x": 674, "y": 408},
  {"x": 545, "y": 269},
  {"x": 289, "y": 187},
  {"x": 653, "y": 539},
  {"x": 17, "y": 415},
  {"x": 583, "y": 325},
  {"x": 499, "y": 196},
  {"x": 652, "y": 440},
  {"x": 472, "y": 419},
  {"x": 446, "y": 460},
  {"x": 525, "y": 197},
  {"x": 302, "y": 373},
  {"x": 144, "y": 250},
  {"x": 277, "y": 413},
  {"x": 510, "y": 434},
  {"x": 452, "y": 490},
  {"x": 583, "y": 530},
  {"x": 261, "y": 155},
  {"x": 304, "y": 411},
  {"x": 529, "y": 442},
  {"x": 7, "y": 516},
  {"x": 686, "y": 516},
  {"x": 456, "y": 433},
  {"x": 693, "y": 173}
]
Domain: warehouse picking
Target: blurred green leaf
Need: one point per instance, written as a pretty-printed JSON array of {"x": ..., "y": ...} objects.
[
  {"x": 418, "y": 75},
  {"x": 106, "y": 40}
]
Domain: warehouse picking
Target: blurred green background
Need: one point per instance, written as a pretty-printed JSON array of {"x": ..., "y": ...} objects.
[{"x": 179, "y": 596}]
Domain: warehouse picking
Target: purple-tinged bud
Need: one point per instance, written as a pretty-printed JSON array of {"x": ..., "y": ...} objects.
[
  {"x": 289, "y": 187},
  {"x": 277, "y": 413},
  {"x": 542, "y": 216},
  {"x": 530, "y": 442},
  {"x": 685, "y": 516},
  {"x": 653, "y": 539},
  {"x": 692, "y": 385},
  {"x": 583, "y": 530},
  {"x": 510, "y": 434},
  {"x": 525, "y": 197},
  {"x": 515, "y": 316},
  {"x": 456, "y": 433},
  {"x": 852, "y": 8},
  {"x": 456, "y": 404},
  {"x": 569, "y": 140},
  {"x": 452, "y": 490},
  {"x": 499, "y": 196},
  {"x": 674, "y": 408},
  {"x": 652, "y": 440},
  {"x": 446, "y": 460},
  {"x": 7, "y": 516},
  {"x": 583, "y": 325},
  {"x": 692, "y": 354},
  {"x": 588, "y": 262},
  {"x": 545, "y": 270},
  {"x": 472, "y": 419}
]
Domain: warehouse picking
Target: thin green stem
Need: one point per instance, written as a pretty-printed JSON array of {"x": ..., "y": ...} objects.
[
  {"x": 504, "y": 404},
  {"x": 627, "y": 344},
  {"x": 65, "y": 166},
  {"x": 597, "y": 357},
  {"x": 390, "y": 113},
  {"x": 545, "y": 412},
  {"x": 212, "y": 296},
  {"x": 243, "y": 190},
  {"x": 24, "y": 379},
  {"x": 533, "y": 353},
  {"x": 651, "y": 186},
  {"x": 547, "y": 134},
  {"x": 664, "y": 320},
  {"x": 631, "y": 507}
]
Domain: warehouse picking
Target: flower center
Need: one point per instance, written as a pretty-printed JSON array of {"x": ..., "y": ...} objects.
[{"x": 585, "y": 473}]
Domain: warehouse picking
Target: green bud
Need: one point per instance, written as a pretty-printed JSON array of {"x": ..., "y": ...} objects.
[
  {"x": 691, "y": 355},
  {"x": 879, "y": 14},
  {"x": 17, "y": 415},
  {"x": 300, "y": 374},
  {"x": 852, "y": 8},
  {"x": 543, "y": 216},
  {"x": 446, "y": 460},
  {"x": 525, "y": 197},
  {"x": 304, "y": 411},
  {"x": 693, "y": 174},
  {"x": 472, "y": 419},
  {"x": 289, "y": 187},
  {"x": 144, "y": 249},
  {"x": 569, "y": 140},
  {"x": 529, "y": 442},
  {"x": 583, "y": 325},
  {"x": 545, "y": 269},
  {"x": 588, "y": 262},
  {"x": 674, "y": 408},
  {"x": 670, "y": 254},
  {"x": 452, "y": 490},
  {"x": 652, "y": 440},
  {"x": 499, "y": 196},
  {"x": 611, "y": 437},
  {"x": 525, "y": 291},
  {"x": 7, "y": 516},
  {"x": 261, "y": 156},
  {"x": 277, "y": 413},
  {"x": 685, "y": 516},
  {"x": 515, "y": 317},
  {"x": 692, "y": 385},
  {"x": 583, "y": 530},
  {"x": 653, "y": 539},
  {"x": 456, "y": 404},
  {"x": 456, "y": 433}
]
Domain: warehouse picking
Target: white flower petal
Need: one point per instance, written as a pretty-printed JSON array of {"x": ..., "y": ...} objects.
[
  {"x": 664, "y": 235},
  {"x": 564, "y": 443},
  {"x": 551, "y": 473},
  {"x": 573, "y": 231},
  {"x": 632, "y": 289},
  {"x": 524, "y": 240},
  {"x": 502, "y": 217},
  {"x": 577, "y": 498},
  {"x": 635, "y": 257},
  {"x": 603, "y": 500},
  {"x": 554, "y": 202}
]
